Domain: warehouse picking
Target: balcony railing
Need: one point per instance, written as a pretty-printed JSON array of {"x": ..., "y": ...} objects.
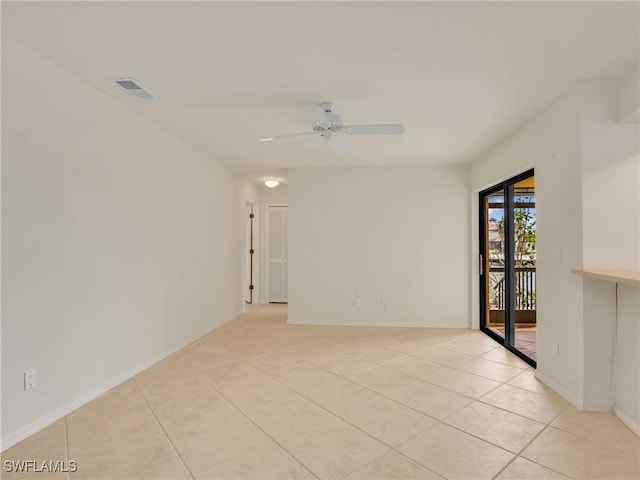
[{"x": 525, "y": 283}]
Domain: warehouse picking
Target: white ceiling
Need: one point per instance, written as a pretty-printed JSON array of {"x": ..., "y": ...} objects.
[{"x": 459, "y": 75}]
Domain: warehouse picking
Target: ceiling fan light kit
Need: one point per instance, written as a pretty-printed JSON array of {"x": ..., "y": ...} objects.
[{"x": 329, "y": 125}]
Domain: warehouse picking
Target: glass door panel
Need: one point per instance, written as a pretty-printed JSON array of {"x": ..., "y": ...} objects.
[
  {"x": 524, "y": 239},
  {"x": 494, "y": 266},
  {"x": 508, "y": 265}
]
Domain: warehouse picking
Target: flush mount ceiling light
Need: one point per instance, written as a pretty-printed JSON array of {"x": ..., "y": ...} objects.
[{"x": 271, "y": 183}]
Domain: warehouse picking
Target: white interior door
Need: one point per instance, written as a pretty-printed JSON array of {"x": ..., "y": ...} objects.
[{"x": 278, "y": 253}]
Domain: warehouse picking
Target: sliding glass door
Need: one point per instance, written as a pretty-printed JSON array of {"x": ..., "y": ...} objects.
[{"x": 508, "y": 264}]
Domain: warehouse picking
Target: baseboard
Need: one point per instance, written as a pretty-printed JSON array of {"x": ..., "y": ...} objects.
[
  {"x": 624, "y": 418},
  {"x": 572, "y": 399},
  {"x": 580, "y": 405},
  {"x": 60, "y": 412},
  {"x": 352, "y": 323},
  {"x": 587, "y": 407}
]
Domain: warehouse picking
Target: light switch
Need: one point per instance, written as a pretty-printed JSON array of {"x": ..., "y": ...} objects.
[{"x": 556, "y": 254}]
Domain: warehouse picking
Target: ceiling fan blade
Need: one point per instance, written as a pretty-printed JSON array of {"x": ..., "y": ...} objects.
[
  {"x": 338, "y": 145},
  {"x": 318, "y": 117},
  {"x": 392, "y": 129},
  {"x": 300, "y": 134}
]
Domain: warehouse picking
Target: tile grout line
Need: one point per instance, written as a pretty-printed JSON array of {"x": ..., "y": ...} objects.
[
  {"x": 440, "y": 347},
  {"x": 184, "y": 464},
  {"x": 393, "y": 448},
  {"x": 215, "y": 390},
  {"x": 344, "y": 419},
  {"x": 341, "y": 419},
  {"x": 500, "y": 383},
  {"x": 505, "y": 382},
  {"x": 583, "y": 437},
  {"x": 541, "y": 422},
  {"x": 519, "y": 454},
  {"x": 334, "y": 414},
  {"x": 384, "y": 395},
  {"x": 257, "y": 343},
  {"x": 105, "y": 412},
  {"x": 440, "y": 421},
  {"x": 470, "y": 357},
  {"x": 424, "y": 380}
]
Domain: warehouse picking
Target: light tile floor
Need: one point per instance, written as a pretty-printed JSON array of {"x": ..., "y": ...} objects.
[{"x": 260, "y": 399}]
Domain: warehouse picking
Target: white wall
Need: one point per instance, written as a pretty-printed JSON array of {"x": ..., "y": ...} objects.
[
  {"x": 629, "y": 96},
  {"x": 279, "y": 194},
  {"x": 399, "y": 233},
  {"x": 610, "y": 180},
  {"x": 551, "y": 144},
  {"x": 120, "y": 243},
  {"x": 610, "y": 153},
  {"x": 626, "y": 379},
  {"x": 588, "y": 205}
]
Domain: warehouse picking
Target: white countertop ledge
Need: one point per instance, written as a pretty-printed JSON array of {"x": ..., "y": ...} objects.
[{"x": 628, "y": 277}]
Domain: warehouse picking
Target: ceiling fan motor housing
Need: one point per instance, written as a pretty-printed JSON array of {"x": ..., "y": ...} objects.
[
  {"x": 328, "y": 107},
  {"x": 335, "y": 123}
]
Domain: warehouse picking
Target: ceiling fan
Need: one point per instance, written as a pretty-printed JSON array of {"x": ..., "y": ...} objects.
[{"x": 329, "y": 125}]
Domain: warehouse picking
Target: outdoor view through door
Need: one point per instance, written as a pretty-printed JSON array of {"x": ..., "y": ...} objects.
[{"x": 508, "y": 265}]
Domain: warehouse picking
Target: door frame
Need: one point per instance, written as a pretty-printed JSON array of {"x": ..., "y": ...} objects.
[
  {"x": 250, "y": 265},
  {"x": 510, "y": 295}
]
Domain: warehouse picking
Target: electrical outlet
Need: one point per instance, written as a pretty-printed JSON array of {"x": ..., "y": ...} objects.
[
  {"x": 384, "y": 303},
  {"x": 555, "y": 348},
  {"x": 29, "y": 379},
  {"x": 357, "y": 302},
  {"x": 356, "y": 292}
]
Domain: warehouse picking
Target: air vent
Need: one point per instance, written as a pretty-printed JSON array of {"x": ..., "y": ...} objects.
[{"x": 133, "y": 87}]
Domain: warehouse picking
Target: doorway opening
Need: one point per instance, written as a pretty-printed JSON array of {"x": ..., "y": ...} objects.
[{"x": 508, "y": 265}]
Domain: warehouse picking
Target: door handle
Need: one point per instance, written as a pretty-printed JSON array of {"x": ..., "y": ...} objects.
[{"x": 481, "y": 265}]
